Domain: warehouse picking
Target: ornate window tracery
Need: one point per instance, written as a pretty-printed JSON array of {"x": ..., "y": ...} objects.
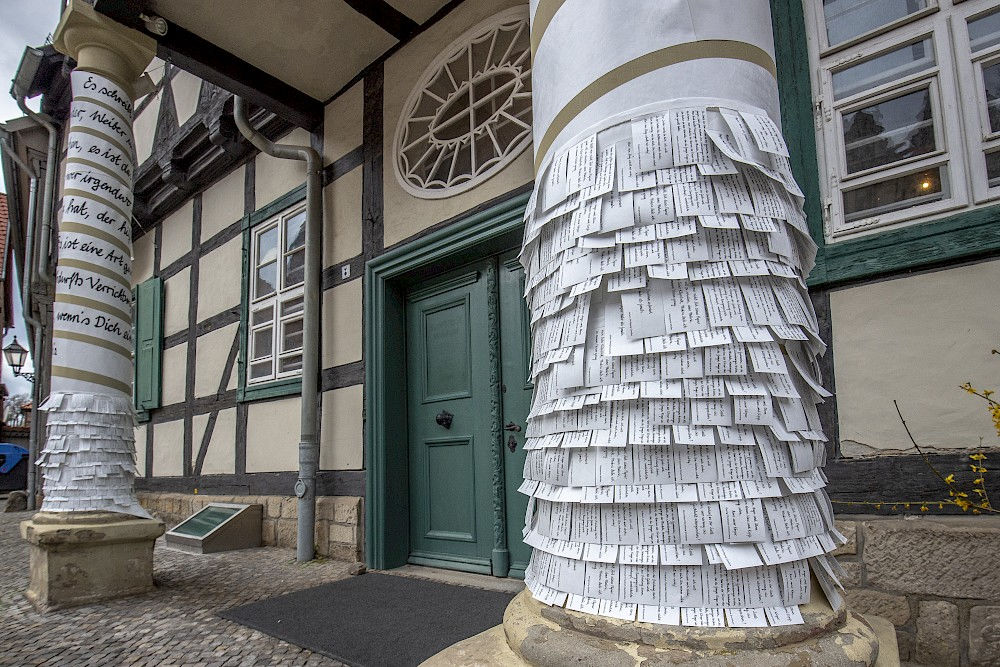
[{"x": 470, "y": 113}]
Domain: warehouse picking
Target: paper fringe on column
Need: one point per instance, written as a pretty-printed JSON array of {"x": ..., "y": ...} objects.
[
  {"x": 89, "y": 457},
  {"x": 88, "y": 462},
  {"x": 674, "y": 446}
]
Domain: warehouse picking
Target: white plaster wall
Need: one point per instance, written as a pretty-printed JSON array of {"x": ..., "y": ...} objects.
[
  {"x": 176, "y": 297},
  {"x": 144, "y": 127},
  {"x": 342, "y": 218},
  {"x": 274, "y": 176},
  {"x": 140, "y": 449},
  {"x": 168, "y": 449},
  {"x": 273, "y": 435},
  {"x": 406, "y": 215},
  {"x": 342, "y": 431},
  {"x": 176, "y": 235},
  {"x": 213, "y": 351},
  {"x": 342, "y": 317},
  {"x": 142, "y": 258},
  {"x": 220, "y": 274},
  {"x": 186, "y": 88},
  {"x": 342, "y": 123},
  {"x": 916, "y": 339},
  {"x": 174, "y": 375},
  {"x": 222, "y": 204},
  {"x": 220, "y": 457}
]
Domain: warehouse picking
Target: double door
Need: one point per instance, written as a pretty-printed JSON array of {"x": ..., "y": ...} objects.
[{"x": 468, "y": 395}]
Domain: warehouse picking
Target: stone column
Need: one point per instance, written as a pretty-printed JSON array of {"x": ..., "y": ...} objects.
[
  {"x": 92, "y": 540},
  {"x": 677, "y": 507}
]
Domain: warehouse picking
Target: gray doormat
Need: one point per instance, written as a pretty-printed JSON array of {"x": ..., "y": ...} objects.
[{"x": 376, "y": 619}]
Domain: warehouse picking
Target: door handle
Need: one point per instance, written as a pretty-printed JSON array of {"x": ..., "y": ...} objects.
[
  {"x": 444, "y": 418},
  {"x": 511, "y": 426},
  {"x": 511, "y": 444}
]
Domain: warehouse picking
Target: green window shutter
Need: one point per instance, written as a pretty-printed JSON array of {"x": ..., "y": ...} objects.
[{"x": 148, "y": 343}]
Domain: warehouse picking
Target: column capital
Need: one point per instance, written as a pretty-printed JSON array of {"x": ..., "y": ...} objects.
[{"x": 101, "y": 45}]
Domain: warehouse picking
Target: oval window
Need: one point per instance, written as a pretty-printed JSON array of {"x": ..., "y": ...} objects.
[{"x": 470, "y": 114}]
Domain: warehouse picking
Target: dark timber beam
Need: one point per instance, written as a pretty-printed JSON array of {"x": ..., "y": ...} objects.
[
  {"x": 385, "y": 16},
  {"x": 207, "y": 61}
]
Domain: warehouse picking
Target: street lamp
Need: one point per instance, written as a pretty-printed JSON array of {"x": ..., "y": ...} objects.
[{"x": 16, "y": 355}]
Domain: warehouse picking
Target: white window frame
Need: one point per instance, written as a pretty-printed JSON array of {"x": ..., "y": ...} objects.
[
  {"x": 980, "y": 137},
  {"x": 958, "y": 105},
  {"x": 284, "y": 296}
]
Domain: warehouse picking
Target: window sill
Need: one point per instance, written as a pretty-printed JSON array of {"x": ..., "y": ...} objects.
[
  {"x": 274, "y": 389},
  {"x": 949, "y": 239}
]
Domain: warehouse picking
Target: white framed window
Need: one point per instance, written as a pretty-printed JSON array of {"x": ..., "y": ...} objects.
[
  {"x": 275, "y": 292},
  {"x": 907, "y": 101}
]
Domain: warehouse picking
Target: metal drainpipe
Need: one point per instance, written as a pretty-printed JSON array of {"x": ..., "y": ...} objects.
[
  {"x": 45, "y": 237},
  {"x": 305, "y": 487},
  {"x": 34, "y": 325}
]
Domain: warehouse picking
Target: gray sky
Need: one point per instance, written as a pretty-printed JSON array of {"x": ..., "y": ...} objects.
[{"x": 24, "y": 23}]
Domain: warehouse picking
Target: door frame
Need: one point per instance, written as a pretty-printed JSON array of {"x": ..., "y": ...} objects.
[{"x": 476, "y": 235}]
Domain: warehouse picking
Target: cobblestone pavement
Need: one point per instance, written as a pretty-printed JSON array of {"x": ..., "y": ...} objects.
[{"x": 173, "y": 625}]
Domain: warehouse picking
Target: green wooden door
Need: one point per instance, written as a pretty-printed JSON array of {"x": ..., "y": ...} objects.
[
  {"x": 468, "y": 397},
  {"x": 515, "y": 344},
  {"x": 448, "y": 373}
]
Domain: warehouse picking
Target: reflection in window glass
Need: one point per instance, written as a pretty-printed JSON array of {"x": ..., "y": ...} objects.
[
  {"x": 885, "y": 68},
  {"x": 295, "y": 231},
  {"x": 991, "y": 83},
  {"x": 291, "y": 337},
  {"x": 295, "y": 268},
  {"x": 262, "y": 315},
  {"x": 846, "y": 19},
  {"x": 262, "y": 344},
  {"x": 889, "y": 131},
  {"x": 260, "y": 369},
  {"x": 993, "y": 168},
  {"x": 267, "y": 245},
  {"x": 894, "y": 194},
  {"x": 984, "y": 32},
  {"x": 292, "y": 363},
  {"x": 267, "y": 279}
]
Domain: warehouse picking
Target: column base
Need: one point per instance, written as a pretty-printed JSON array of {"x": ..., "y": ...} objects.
[
  {"x": 84, "y": 557},
  {"x": 541, "y": 636}
]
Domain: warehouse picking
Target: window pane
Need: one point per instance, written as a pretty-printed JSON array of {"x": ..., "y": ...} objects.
[
  {"x": 261, "y": 369},
  {"x": 295, "y": 267},
  {"x": 291, "y": 335},
  {"x": 889, "y": 131},
  {"x": 895, "y": 194},
  {"x": 295, "y": 231},
  {"x": 262, "y": 343},
  {"x": 991, "y": 82},
  {"x": 984, "y": 32},
  {"x": 267, "y": 246},
  {"x": 292, "y": 306},
  {"x": 993, "y": 168},
  {"x": 267, "y": 279},
  {"x": 263, "y": 315},
  {"x": 846, "y": 19},
  {"x": 292, "y": 363},
  {"x": 890, "y": 66}
]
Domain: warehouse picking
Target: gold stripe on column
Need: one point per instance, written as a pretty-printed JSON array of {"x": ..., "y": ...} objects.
[
  {"x": 84, "y": 302},
  {"x": 93, "y": 340},
  {"x": 544, "y": 11},
  {"x": 650, "y": 62},
  {"x": 94, "y": 378}
]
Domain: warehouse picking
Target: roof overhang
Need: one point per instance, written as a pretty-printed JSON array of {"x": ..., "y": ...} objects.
[{"x": 289, "y": 58}]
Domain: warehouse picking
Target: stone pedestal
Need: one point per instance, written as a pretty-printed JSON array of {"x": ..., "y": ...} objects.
[
  {"x": 83, "y": 557},
  {"x": 542, "y": 636}
]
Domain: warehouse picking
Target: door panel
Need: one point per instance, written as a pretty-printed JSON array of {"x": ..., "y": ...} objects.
[
  {"x": 515, "y": 345},
  {"x": 451, "y": 518}
]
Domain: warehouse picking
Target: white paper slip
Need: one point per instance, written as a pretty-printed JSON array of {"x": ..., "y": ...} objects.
[
  {"x": 778, "y": 616},
  {"x": 651, "y": 613},
  {"x": 702, "y": 617},
  {"x": 582, "y": 165},
  {"x": 690, "y": 143},
  {"x": 746, "y": 618},
  {"x": 652, "y": 142},
  {"x": 630, "y": 176},
  {"x": 765, "y": 133}
]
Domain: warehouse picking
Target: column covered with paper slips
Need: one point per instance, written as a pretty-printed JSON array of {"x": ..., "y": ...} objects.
[{"x": 675, "y": 452}]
